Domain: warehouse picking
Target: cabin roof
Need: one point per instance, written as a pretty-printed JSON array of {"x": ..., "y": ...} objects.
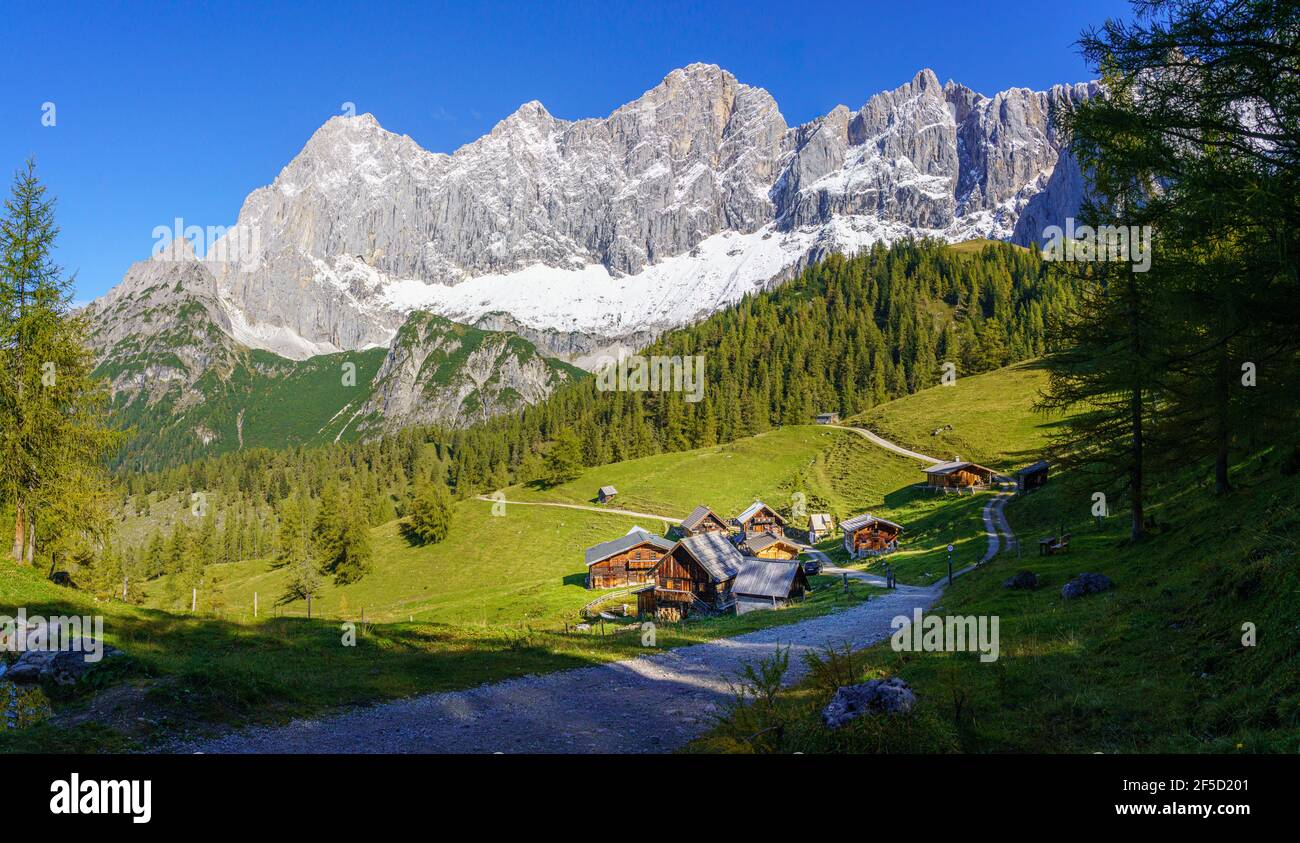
[
  {"x": 697, "y": 516},
  {"x": 763, "y": 578},
  {"x": 820, "y": 521},
  {"x": 763, "y": 541},
  {"x": 636, "y": 536},
  {"x": 715, "y": 554},
  {"x": 753, "y": 509},
  {"x": 866, "y": 519},
  {"x": 607, "y": 490},
  {"x": 956, "y": 465},
  {"x": 1041, "y": 465}
]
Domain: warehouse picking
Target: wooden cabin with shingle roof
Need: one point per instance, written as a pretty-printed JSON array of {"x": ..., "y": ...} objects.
[
  {"x": 760, "y": 518},
  {"x": 867, "y": 535},
  {"x": 605, "y": 494},
  {"x": 957, "y": 474},
  {"x": 703, "y": 520},
  {"x": 629, "y": 560},
  {"x": 769, "y": 546},
  {"x": 694, "y": 575}
]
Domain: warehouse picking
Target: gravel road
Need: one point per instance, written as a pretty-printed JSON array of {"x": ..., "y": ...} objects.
[{"x": 653, "y": 703}]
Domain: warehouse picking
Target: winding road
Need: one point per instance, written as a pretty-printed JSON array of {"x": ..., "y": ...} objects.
[{"x": 653, "y": 703}]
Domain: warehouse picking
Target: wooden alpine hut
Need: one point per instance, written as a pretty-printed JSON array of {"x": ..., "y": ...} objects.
[
  {"x": 957, "y": 474},
  {"x": 867, "y": 535},
  {"x": 703, "y": 520},
  {"x": 760, "y": 518},
  {"x": 629, "y": 560},
  {"x": 769, "y": 546},
  {"x": 695, "y": 575}
]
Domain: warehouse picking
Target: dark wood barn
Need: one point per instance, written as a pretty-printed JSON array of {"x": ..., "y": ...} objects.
[
  {"x": 694, "y": 576},
  {"x": 606, "y": 494},
  {"x": 1031, "y": 477}
]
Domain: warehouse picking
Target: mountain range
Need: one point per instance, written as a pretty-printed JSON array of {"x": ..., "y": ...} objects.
[{"x": 550, "y": 238}]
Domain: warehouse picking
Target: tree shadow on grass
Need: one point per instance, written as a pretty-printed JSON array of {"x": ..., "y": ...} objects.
[{"x": 205, "y": 673}]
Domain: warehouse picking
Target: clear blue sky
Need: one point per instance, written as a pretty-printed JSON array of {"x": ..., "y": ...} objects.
[{"x": 168, "y": 110}]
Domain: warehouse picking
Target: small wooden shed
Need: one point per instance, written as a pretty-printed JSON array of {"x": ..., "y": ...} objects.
[
  {"x": 1032, "y": 477},
  {"x": 828, "y": 418},
  {"x": 606, "y": 494},
  {"x": 820, "y": 526}
]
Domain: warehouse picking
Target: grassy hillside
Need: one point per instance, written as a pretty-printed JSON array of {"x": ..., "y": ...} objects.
[
  {"x": 1157, "y": 664},
  {"x": 988, "y": 418}
]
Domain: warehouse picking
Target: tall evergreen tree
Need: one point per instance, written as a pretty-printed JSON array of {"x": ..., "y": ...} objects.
[{"x": 51, "y": 436}]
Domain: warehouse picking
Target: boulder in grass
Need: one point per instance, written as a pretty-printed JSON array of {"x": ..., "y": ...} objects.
[
  {"x": 1022, "y": 579},
  {"x": 1086, "y": 584},
  {"x": 879, "y": 696},
  {"x": 62, "y": 667}
]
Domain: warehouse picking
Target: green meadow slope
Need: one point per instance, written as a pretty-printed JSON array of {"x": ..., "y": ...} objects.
[{"x": 1160, "y": 663}]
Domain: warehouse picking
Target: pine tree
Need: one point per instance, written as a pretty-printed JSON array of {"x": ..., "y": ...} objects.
[
  {"x": 430, "y": 513},
  {"x": 51, "y": 435},
  {"x": 564, "y": 459}
]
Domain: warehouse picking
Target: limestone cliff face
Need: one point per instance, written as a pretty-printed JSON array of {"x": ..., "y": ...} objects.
[
  {"x": 161, "y": 328},
  {"x": 441, "y": 372}
]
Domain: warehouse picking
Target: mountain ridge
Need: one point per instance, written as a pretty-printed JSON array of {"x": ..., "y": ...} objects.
[{"x": 602, "y": 232}]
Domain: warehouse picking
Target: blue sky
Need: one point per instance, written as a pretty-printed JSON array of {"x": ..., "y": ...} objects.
[{"x": 166, "y": 111}]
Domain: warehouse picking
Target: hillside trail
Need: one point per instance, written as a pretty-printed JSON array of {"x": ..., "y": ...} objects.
[
  {"x": 609, "y": 510},
  {"x": 649, "y": 704}
]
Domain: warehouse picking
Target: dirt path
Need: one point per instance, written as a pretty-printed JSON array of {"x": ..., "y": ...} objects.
[
  {"x": 886, "y": 444},
  {"x": 605, "y": 509}
]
